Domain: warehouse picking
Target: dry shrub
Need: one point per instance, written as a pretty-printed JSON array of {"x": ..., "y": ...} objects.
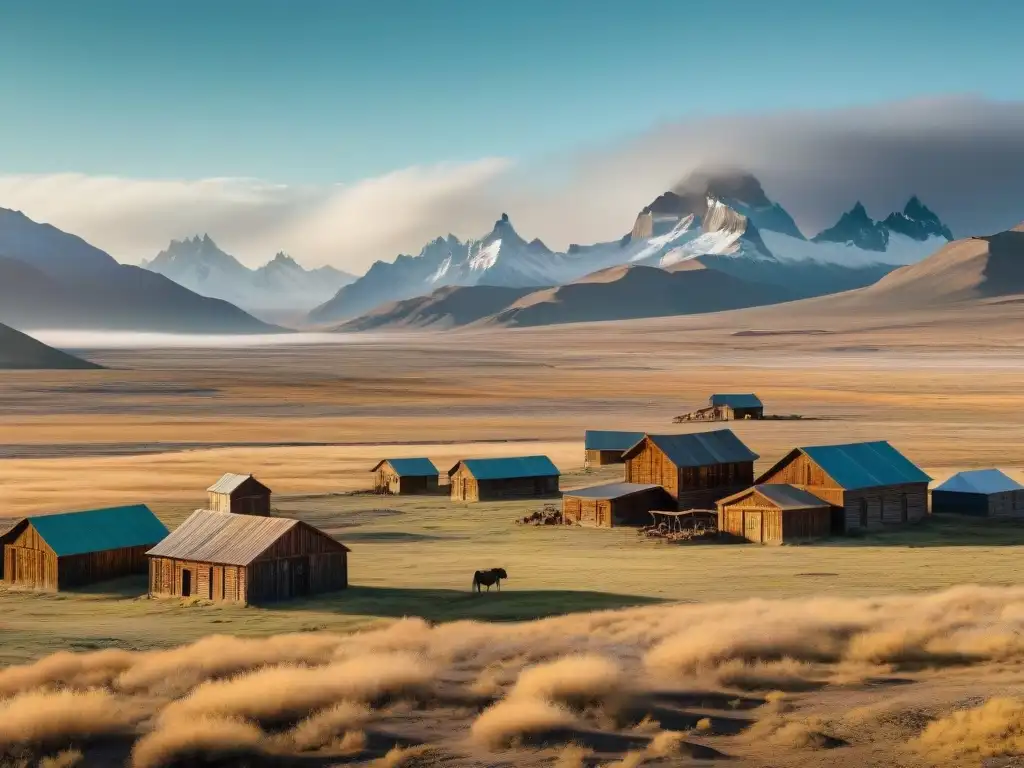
[
  {"x": 647, "y": 725},
  {"x": 325, "y": 727},
  {"x": 576, "y": 681},
  {"x": 572, "y": 756},
  {"x": 665, "y": 744},
  {"x": 788, "y": 733},
  {"x": 785, "y": 674},
  {"x": 191, "y": 741},
  {"x": 352, "y": 743},
  {"x": 66, "y": 759},
  {"x": 507, "y": 722},
  {"x": 704, "y": 724},
  {"x": 300, "y": 690},
  {"x": 995, "y": 728},
  {"x": 43, "y": 717},
  {"x": 65, "y": 669},
  {"x": 397, "y": 757}
]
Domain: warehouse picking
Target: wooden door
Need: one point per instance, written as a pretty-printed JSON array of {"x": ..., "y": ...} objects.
[
  {"x": 186, "y": 583},
  {"x": 300, "y": 577},
  {"x": 753, "y": 526}
]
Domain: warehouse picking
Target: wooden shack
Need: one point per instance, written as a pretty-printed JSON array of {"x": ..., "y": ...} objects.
[
  {"x": 246, "y": 559},
  {"x": 7, "y": 534},
  {"x": 405, "y": 476},
  {"x": 519, "y": 477},
  {"x": 775, "y": 514},
  {"x": 74, "y": 549},
  {"x": 602, "y": 447},
  {"x": 696, "y": 469},
  {"x": 726, "y": 407},
  {"x": 979, "y": 493},
  {"x": 240, "y": 494},
  {"x": 613, "y": 504},
  {"x": 869, "y": 485}
]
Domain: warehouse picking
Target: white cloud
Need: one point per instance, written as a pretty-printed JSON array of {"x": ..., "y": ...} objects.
[{"x": 964, "y": 156}]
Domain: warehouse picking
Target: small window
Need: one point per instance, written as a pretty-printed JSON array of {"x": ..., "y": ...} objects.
[{"x": 863, "y": 513}]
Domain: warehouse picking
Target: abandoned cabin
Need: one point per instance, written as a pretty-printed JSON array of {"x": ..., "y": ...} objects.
[
  {"x": 775, "y": 514},
  {"x": 74, "y": 549},
  {"x": 869, "y": 485},
  {"x": 727, "y": 407},
  {"x": 602, "y": 447},
  {"x": 613, "y": 504},
  {"x": 240, "y": 494},
  {"x": 981, "y": 493},
  {"x": 696, "y": 469},
  {"x": 519, "y": 477},
  {"x": 405, "y": 476},
  {"x": 246, "y": 559}
]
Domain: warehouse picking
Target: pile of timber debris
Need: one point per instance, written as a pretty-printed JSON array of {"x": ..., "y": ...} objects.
[{"x": 550, "y": 515}]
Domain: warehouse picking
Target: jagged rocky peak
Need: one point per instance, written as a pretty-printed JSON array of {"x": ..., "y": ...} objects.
[
  {"x": 856, "y": 228},
  {"x": 917, "y": 221},
  {"x": 738, "y": 189}
]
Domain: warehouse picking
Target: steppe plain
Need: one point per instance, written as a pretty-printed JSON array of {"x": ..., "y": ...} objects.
[{"x": 159, "y": 425}]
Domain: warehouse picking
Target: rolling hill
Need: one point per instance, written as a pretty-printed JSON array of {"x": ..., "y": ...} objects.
[
  {"x": 52, "y": 279},
  {"x": 21, "y": 352}
]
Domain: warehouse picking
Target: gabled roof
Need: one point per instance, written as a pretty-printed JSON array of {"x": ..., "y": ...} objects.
[
  {"x": 610, "y": 490},
  {"x": 225, "y": 538},
  {"x": 8, "y": 524},
  {"x": 983, "y": 481},
  {"x": 409, "y": 467},
  {"x": 701, "y": 449},
  {"x": 782, "y": 496},
  {"x": 855, "y": 466},
  {"x": 509, "y": 468},
  {"x": 604, "y": 440},
  {"x": 737, "y": 400},
  {"x": 230, "y": 483},
  {"x": 98, "y": 530}
]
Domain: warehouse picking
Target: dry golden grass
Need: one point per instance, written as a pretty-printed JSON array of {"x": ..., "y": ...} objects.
[
  {"x": 197, "y": 739},
  {"x": 56, "y": 717},
  {"x": 994, "y": 728}
]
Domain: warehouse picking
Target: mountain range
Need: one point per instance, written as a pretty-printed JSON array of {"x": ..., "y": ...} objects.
[
  {"x": 281, "y": 284},
  {"x": 716, "y": 224},
  {"x": 52, "y": 279}
]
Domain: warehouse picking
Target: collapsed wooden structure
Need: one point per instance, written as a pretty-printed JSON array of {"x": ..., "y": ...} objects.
[
  {"x": 74, "y": 549},
  {"x": 246, "y": 559},
  {"x": 726, "y": 407},
  {"x": 518, "y": 477},
  {"x": 240, "y": 495},
  {"x": 405, "y": 476}
]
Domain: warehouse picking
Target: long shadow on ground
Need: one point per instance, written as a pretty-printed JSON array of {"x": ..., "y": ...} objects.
[{"x": 438, "y": 605}]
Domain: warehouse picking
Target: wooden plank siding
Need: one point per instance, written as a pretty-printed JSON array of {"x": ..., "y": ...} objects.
[
  {"x": 757, "y": 519},
  {"x": 250, "y": 498},
  {"x": 602, "y": 458},
  {"x": 387, "y": 481},
  {"x": 854, "y": 510},
  {"x": 465, "y": 487},
  {"x": 689, "y": 487},
  {"x": 631, "y": 510}
]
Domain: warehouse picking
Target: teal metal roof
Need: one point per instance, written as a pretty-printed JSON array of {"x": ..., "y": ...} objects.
[
  {"x": 703, "y": 449},
  {"x": 610, "y": 490},
  {"x": 737, "y": 401},
  {"x": 980, "y": 481},
  {"x": 98, "y": 530},
  {"x": 510, "y": 468},
  {"x": 603, "y": 440},
  {"x": 865, "y": 465},
  {"x": 417, "y": 467}
]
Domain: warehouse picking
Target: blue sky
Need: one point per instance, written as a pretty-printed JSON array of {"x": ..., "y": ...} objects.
[{"x": 339, "y": 90}]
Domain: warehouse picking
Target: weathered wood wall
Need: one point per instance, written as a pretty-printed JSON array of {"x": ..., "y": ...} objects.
[
  {"x": 690, "y": 487},
  {"x": 873, "y": 508},
  {"x": 250, "y": 498},
  {"x": 631, "y": 510},
  {"x": 209, "y": 581},
  {"x": 465, "y": 487},
  {"x": 1006, "y": 505},
  {"x": 602, "y": 458},
  {"x": 756, "y": 519},
  {"x": 30, "y": 567},
  {"x": 388, "y": 482}
]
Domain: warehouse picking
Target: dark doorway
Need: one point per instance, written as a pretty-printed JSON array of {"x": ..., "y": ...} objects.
[
  {"x": 863, "y": 513},
  {"x": 300, "y": 576},
  {"x": 186, "y": 583},
  {"x": 904, "y": 508}
]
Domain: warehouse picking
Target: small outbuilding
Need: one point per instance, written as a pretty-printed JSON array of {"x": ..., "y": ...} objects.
[
  {"x": 981, "y": 493},
  {"x": 613, "y": 504},
  {"x": 519, "y": 477},
  {"x": 727, "y": 407},
  {"x": 7, "y": 526},
  {"x": 602, "y": 447},
  {"x": 775, "y": 514},
  {"x": 246, "y": 559},
  {"x": 74, "y": 549},
  {"x": 696, "y": 469},
  {"x": 240, "y": 494},
  {"x": 869, "y": 485},
  {"x": 405, "y": 476}
]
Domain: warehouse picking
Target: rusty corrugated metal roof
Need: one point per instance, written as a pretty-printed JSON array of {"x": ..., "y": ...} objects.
[{"x": 223, "y": 537}]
